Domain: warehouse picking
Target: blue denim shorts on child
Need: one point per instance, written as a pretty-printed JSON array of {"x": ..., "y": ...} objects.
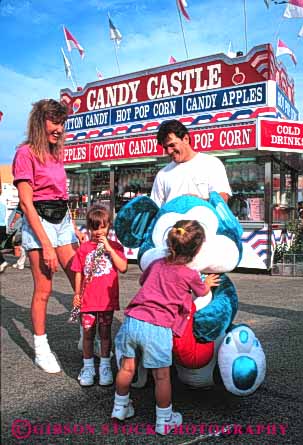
[
  {"x": 58, "y": 234},
  {"x": 154, "y": 342}
]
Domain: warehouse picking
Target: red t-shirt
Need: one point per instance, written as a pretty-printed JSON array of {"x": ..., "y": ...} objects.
[
  {"x": 165, "y": 296},
  {"x": 48, "y": 180},
  {"x": 102, "y": 292}
]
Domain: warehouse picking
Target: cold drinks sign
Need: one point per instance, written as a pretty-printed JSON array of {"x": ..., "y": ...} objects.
[{"x": 280, "y": 135}]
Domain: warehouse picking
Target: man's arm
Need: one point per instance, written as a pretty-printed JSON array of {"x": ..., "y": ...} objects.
[{"x": 218, "y": 179}]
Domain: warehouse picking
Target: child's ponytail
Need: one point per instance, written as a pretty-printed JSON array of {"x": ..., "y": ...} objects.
[{"x": 184, "y": 240}]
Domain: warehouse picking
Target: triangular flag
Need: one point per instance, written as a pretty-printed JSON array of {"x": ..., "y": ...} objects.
[
  {"x": 230, "y": 51},
  {"x": 300, "y": 33},
  {"x": 114, "y": 33},
  {"x": 99, "y": 74},
  {"x": 71, "y": 42},
  {"x": 282, "y": 49},
  {"x": 67, "y": 65},
  {"x": 294, "y": 9},
  {"x": 172, "y": 60},
  {"x": 182, "y": 5}
]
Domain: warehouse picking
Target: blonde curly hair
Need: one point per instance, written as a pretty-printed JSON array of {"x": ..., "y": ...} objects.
[{"x": 36, "y": 135}]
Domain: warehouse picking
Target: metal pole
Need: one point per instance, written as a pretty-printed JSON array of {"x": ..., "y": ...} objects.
[
  {"x": 116, "y": 53},
  {"x": 112, "y": 192},
  {"x": 268, "y": 209},
  {"x": 71, "y": 78},
  {"x": 245, "y": 25},
  {"x": 275, "y": 38},
  {"x": 184, "y": 41},
  {"x": 89, "y": 188}
]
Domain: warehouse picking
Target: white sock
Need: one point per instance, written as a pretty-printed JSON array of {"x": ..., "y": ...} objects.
[
  {"x": 121, "y": 400},
  {"x": 88, "y": 362},
  {"x": 164, "y": 412},
  {"x": 105, "y": 362},
  {"x": 40, "y": 339},
  {"x": 41, "y": 344}
]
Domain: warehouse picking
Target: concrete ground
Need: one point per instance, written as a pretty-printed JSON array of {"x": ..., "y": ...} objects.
[{"x": 44, "y": 409}]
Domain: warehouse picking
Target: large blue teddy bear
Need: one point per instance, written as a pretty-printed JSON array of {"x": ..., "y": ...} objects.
[{"x": 236, "y": 351}]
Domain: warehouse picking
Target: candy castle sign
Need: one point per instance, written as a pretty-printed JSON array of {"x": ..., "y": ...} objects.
[
  {"x": 115, "y": 118},
  {"x": 206, "y": 84}
]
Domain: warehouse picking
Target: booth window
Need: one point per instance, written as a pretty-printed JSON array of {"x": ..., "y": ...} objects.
[
  {"x": 246, "y": 178},
  {"x": 284, "y": 196}
]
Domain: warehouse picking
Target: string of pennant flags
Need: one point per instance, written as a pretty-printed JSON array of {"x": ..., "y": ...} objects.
[{"x": 293, "y": 9}]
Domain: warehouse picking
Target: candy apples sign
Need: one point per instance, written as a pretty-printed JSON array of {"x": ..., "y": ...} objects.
[{"x": 76, "y": 153}]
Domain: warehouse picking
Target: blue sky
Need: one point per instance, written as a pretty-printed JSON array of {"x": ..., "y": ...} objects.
[{"x": 31, "y": 65}]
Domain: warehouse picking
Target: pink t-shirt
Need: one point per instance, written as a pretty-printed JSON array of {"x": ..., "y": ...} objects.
[
  {"x": 102, "y": 292},
  {"x": 165, "y": 296},
  {"x": 47, "y": 180}
]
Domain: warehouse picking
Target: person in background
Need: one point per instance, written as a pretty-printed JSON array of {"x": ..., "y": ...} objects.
[
  {"x": 48, "y": 235},
  {"x": 157, "y": 312},
  {"x": 96, "y": 265},
  {"x": 15, "y": 225},
  {"x": 3, "y": 263},
  {"x": 188, "y": 172}
]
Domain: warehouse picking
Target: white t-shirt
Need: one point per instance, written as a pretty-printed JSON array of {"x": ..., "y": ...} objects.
[{"x": 199, "y": 176}]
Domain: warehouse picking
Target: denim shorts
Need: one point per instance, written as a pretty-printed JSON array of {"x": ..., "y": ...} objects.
[
  {"x": 58, "y": 234},
  {"x": 154, "y": 343}
]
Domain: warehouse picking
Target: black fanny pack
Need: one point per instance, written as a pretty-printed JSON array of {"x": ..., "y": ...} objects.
[{"x": 51, "y": 211}]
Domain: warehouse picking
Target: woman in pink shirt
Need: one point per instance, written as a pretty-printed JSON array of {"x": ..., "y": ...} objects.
[
  {"x": 157, "y": 312},
  {"x": 48, "y": 234}
]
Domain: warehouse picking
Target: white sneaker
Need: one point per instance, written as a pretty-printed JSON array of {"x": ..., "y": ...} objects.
[
  {"x": 47, "y": 362},
  {"x": 17, "y": 266},
  {"x": 165, "y": 426},
  {"x": 105, "y": 376},
  {"x": 3, "y": 266},
  {"x": 87, "y": 376},
  {"x": 122, "y": 412}
]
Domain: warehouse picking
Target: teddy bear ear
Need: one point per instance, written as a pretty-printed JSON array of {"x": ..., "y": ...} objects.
[
  {"x": 228, "y": 223},
  {"x": 133, "y": 220}
]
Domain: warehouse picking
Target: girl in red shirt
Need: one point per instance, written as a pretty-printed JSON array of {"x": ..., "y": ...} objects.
[{"x": 96, "y": 265}]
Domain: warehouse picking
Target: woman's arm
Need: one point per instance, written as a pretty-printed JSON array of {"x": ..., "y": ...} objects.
[
  {"x": 81, "y": 236},
  {"x": 25, "y": 192}
]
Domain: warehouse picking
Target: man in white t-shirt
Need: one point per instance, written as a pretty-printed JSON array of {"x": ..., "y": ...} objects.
[{"x": 188, "y": 172}]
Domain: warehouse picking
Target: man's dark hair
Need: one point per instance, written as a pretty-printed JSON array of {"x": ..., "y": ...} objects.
[{"x": 172, "y": 126}]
